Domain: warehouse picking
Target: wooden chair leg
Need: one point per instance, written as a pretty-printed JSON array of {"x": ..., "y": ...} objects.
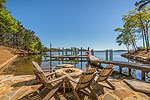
[
  {"x": 38, "y": 90},
  {"x": 52, "y": 92},
  {"x": 110, "y": 84},
  {"x": 100, "y": 87},
  {"x": 64, "y": 87},
  {"x": 75, "y": 93},
  {"x": 93, "y": 92},
  {"x": 41, "y": 87}
]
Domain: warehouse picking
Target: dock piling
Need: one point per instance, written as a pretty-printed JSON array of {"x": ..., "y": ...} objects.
[
  {"x": 106, "y": 54},
  {"x": 50, "y": 49},
  {"x": 59, "y": 51},
  {"x": 50, "y": 54},
  {"x": 111, "y": 54},
  {"x": 81, "y": 51},
  {"x": 143, "y": 75},
  {"x": 92, "y": 52},
  {"x": 120, "y": 69},
  {"x": 75, "y": 51},
  {"x": 129, "y": 71},
  {"x": 63, "y": 51},
  {"x": 71, "y": 50}
]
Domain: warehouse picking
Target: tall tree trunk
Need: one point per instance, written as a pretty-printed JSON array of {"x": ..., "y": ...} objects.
[
  {"x": 146, "y": 39},
  {"x": 144, "y": 33},
  {"x": 143, "y": 39},
  {"x": 133, "y": 42},
  {"x": 127, "y": 46}
]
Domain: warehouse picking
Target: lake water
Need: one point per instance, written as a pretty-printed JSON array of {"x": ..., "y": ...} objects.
[{"x": 24, "y": 66}]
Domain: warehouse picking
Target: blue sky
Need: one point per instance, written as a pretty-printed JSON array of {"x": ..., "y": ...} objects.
[{"x": 73, "y": 23}]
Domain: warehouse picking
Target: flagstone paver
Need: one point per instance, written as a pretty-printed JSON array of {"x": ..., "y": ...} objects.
[{"x": 23, "y": 87}]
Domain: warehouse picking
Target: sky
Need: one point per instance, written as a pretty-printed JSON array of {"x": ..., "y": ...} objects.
[{"x": 73, "y": 23}]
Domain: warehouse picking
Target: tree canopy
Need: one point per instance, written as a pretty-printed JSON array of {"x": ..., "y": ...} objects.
[
  {"x": 14, "y": 34},
  {"x": 136, "y": 26},
  {"x": 142, "y": 3}
]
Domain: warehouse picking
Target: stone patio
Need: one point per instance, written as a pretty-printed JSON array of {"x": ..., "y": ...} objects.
[{"x": 23, "y": 88}]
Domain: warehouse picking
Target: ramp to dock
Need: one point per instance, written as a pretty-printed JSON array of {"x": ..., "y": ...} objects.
[{"x": 145, "y": 68}]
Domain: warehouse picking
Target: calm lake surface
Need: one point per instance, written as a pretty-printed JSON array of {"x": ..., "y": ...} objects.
[{"x": 24, "y": 66}]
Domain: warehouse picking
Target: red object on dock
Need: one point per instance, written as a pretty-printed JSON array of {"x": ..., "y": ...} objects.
[{"x": 87, "y": 52}]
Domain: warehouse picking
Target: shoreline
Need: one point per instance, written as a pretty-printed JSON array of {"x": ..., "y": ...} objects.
[
  {"x": 5, "y": 65},
  {"x": 137, "y": 58}
]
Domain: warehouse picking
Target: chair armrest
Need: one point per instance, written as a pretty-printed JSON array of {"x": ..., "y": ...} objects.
[
  {"x": 71, "y": 79},
  {"x": 45, "y": 71},
  {"x": 57, "y": 79},
  {"x": 99, "y": 70},
  {"x": 49, "y": 74}
]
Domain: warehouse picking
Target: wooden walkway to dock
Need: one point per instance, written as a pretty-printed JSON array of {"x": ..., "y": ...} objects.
[{"x": 145, "y": 68}]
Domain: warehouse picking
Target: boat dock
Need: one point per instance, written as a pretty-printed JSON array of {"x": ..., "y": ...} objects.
[{"x": 76, "y": 53}]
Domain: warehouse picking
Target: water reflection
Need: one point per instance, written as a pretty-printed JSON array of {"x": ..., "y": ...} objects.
[{"x": 23, "y": 65}]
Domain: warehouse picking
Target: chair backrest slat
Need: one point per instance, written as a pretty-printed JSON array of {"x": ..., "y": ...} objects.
[
  {"x": 39, "y": 73},
  {"x": 86, "y": 78},
  {"x": 105, "y": 73}
]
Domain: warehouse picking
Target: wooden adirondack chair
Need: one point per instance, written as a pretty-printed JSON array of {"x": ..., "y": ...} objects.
[
  {"x": 48, "y": 81},
  {"x": 84, "y": 81},
  {"x": 104, "y": 74}
]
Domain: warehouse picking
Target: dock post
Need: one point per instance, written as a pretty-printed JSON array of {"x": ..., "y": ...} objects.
[
  {"x": 111, "y": 54},
  {"x": 92, "y": 52},
  {"x": 50, "y": 54},
  {"x": 59, "y": 51},
  {"x": 81, "y": 57},
  {"x": 50, "y": 50},
  {"x": 120, "y": 69},
  {"x": 71, "y": 51},
  {"x": 129, "y": 71},
  {"x": 78, "y": 50},
  {"x": 142, "y": 75},
  {"x": 88, "y": 49},
  {"x": 75, "y": 51},
  {"x": 81, "y": 52},
  {"x": 106, "y": 54},
  {"x": 63, "y": 51}
]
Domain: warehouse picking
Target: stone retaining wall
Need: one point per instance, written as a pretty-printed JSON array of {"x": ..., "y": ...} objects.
[{"x": 141, "y": 59}]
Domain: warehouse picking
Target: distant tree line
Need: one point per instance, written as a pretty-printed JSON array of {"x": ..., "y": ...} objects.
[
  {"x": 14, "y": 34},
  {"x": 136, "y": 25},
  {"x": 45, "y": 49}
]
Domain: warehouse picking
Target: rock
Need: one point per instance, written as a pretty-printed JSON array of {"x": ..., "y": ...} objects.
[
  {"x": 138, "y": 85},
  {"x": 142, "y": 96},
  {"x": 108, "y": 96},
  {"x": 123, "y": 93},
  {"x": 131, "y": 98},
  {"x": 11, "y": 93},
  {"x": 4, "y": 98}
]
